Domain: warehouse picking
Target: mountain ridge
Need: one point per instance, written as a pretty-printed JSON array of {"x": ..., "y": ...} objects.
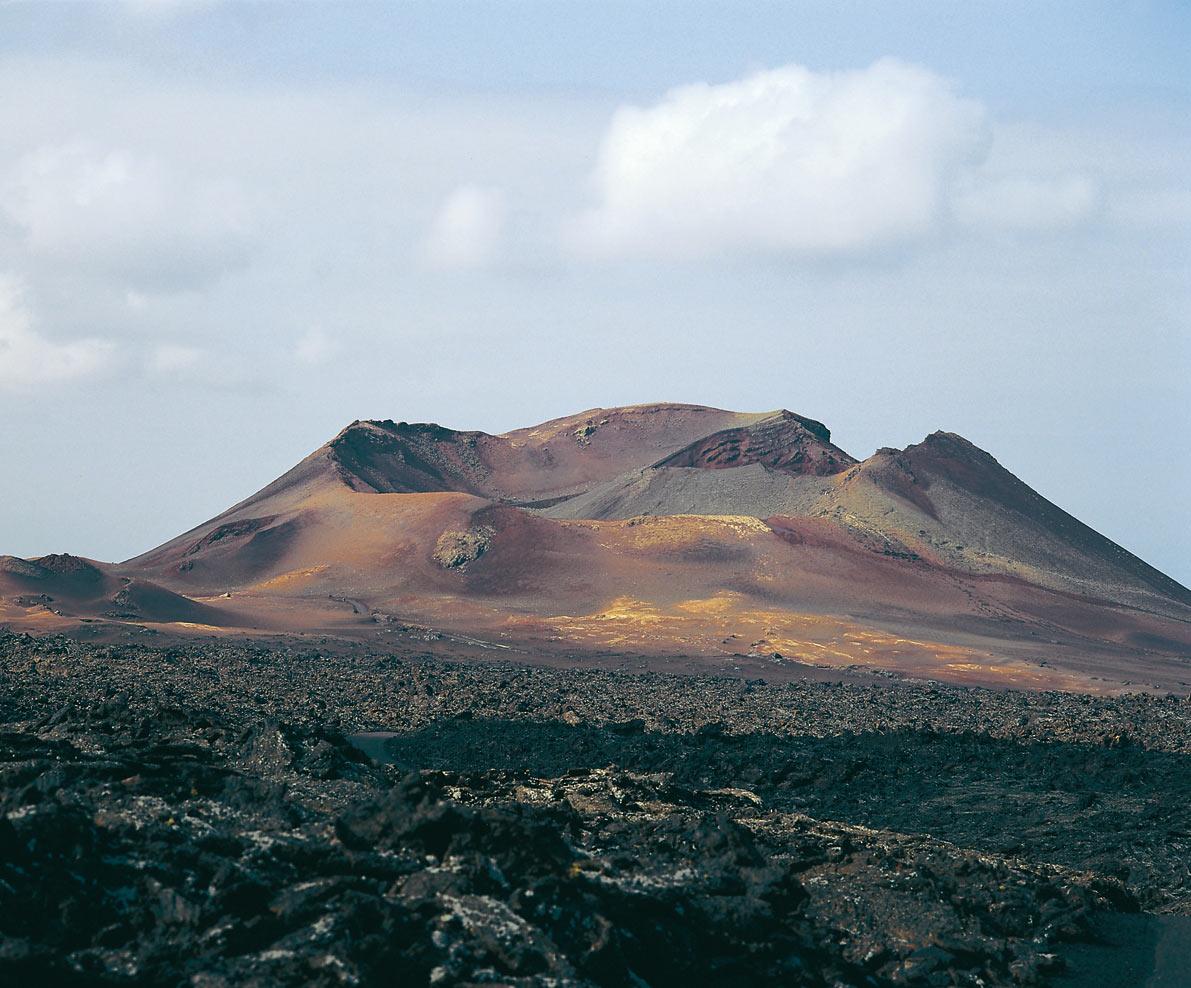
[{"x": 673, "y": 528}]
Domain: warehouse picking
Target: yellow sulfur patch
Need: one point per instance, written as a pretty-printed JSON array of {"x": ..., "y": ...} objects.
[{"x": 292, "y": 578}]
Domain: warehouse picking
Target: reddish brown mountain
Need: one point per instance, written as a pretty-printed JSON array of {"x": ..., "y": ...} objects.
[{"x": 662, "y": 530}]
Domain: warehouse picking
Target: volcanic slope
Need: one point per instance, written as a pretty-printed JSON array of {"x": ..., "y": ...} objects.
[
  {"x": 63, "y": 585},
  {"x": 680, "y": 530}
]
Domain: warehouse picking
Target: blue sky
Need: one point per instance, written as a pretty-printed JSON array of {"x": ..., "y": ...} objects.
[
  {"x": 1019, "y": 55},
  {"x": 228, "y": 230}
]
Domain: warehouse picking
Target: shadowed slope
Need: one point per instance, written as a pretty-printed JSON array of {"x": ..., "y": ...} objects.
[
  {"x": 950, "y": 501},
  {"x": 62, "y": 584}
]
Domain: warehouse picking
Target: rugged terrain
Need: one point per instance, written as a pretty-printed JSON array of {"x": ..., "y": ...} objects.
[
  {"x": 658, "y": 695},
  {"x": 271, "y": 813},
  {"x": 662, "y": 530}
]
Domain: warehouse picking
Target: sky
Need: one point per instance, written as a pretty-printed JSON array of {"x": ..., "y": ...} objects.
[{"x": 228, "y": 230}]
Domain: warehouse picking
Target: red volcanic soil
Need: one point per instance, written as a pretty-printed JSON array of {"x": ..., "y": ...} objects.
[{"x": 659, "y": 530}]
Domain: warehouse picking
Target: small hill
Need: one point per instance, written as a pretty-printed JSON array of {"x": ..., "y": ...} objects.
[{"x": 68, "y": 585}]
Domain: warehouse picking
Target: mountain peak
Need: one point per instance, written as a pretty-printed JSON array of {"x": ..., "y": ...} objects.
[
  {"x": 664, "y": 526},
  {"x": 780, "y": 440},
  {"x": 952, "y": 443},
  {"x": 814, "y": 427},
  {"x": 64, "y": 564}
]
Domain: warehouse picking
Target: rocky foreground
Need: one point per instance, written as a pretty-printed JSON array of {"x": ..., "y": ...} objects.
[{"x": 205, "y": 814}]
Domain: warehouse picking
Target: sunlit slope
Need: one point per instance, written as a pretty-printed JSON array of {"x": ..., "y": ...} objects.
[{"x": 685, "y": 529}]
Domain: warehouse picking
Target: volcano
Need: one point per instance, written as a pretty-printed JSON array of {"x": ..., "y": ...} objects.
[{"x": 683, "y": 532}]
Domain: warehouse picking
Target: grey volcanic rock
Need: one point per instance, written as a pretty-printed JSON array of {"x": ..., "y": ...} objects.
[
  {"x": 753, "y": 490},
  {"x": 454, "y": 549}
]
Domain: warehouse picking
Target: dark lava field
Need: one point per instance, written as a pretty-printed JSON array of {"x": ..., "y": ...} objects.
[{"x": 215, "y": 813}]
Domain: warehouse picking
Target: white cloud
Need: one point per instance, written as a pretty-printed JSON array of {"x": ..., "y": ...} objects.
[
  {"x": 787, "y": 160},
  {"x": 1026, "y": 202},
  {"x": 28, "y": 359},
  {"x": 115, "y": 212},
  {"x": 174, "y": 359},
  {"x": 467, "y": 231},
  {"x": 315, "y": 348}
]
